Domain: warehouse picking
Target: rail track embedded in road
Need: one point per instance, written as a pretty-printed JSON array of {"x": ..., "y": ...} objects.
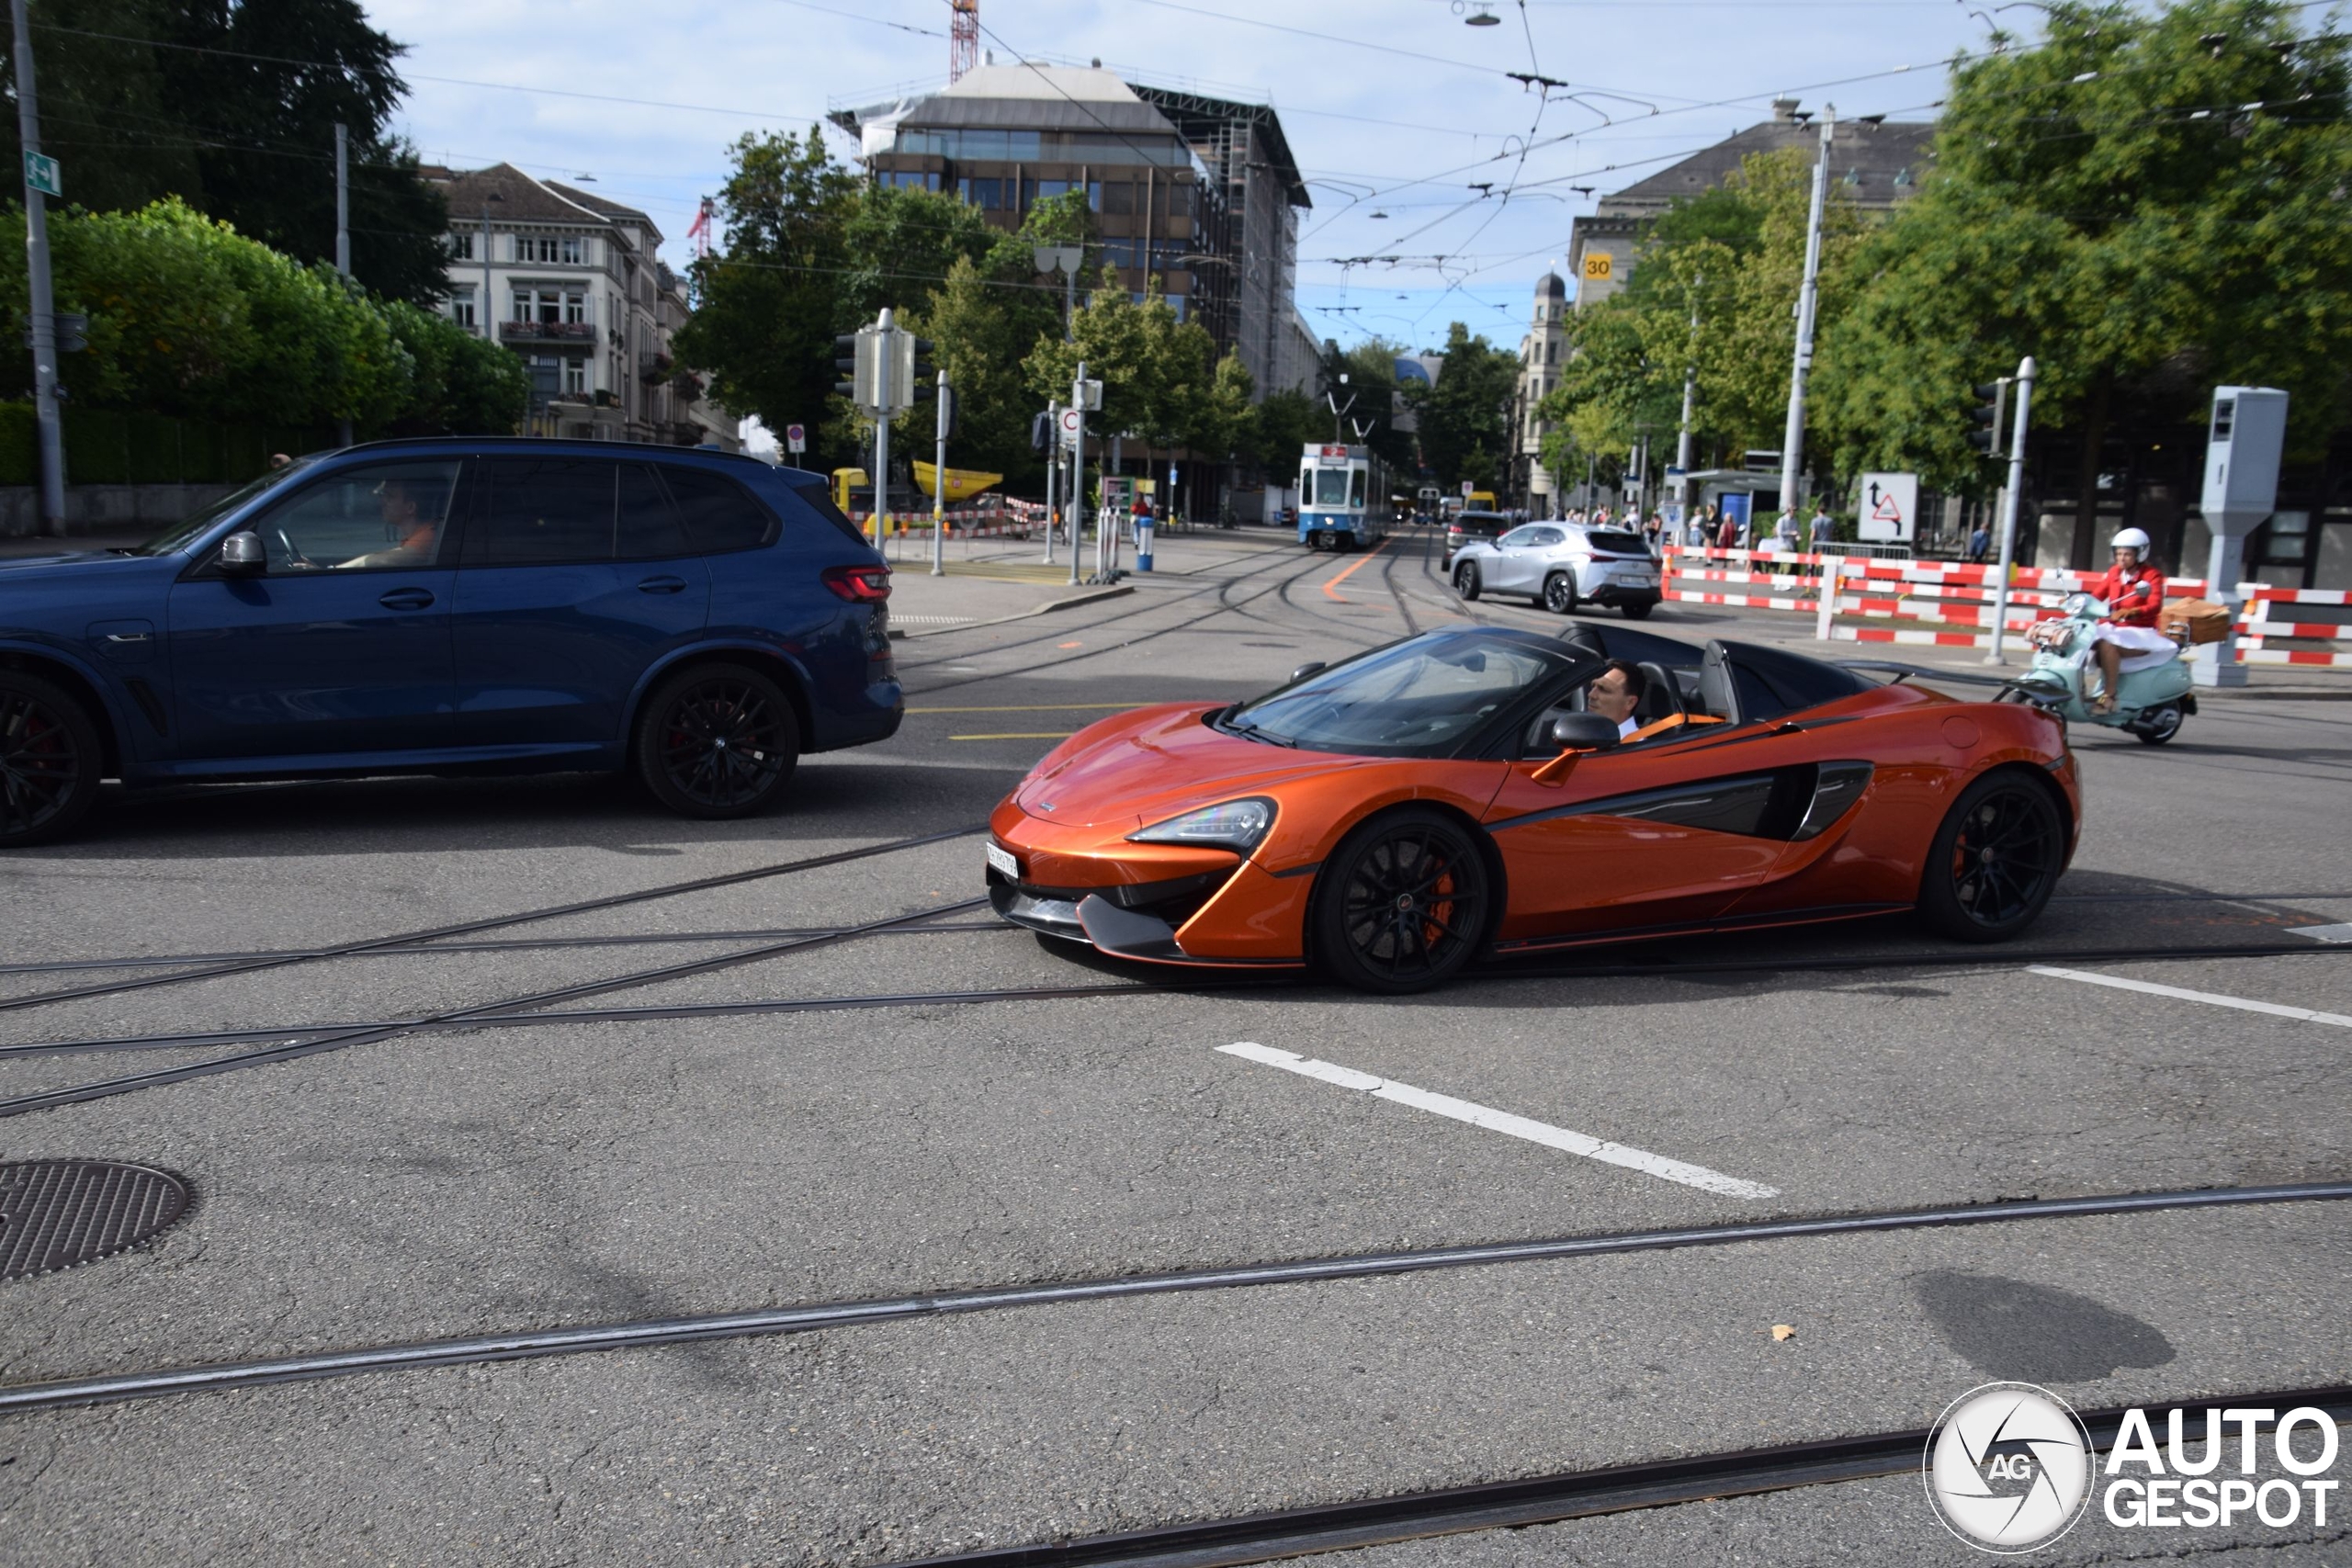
[{"x": 764, "y": 1322}]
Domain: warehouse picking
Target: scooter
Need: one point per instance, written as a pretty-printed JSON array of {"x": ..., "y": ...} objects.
[{"x": 2065, "y": 678}]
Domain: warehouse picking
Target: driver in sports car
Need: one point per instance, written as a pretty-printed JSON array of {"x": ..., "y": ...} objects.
[{"x": 1616, "y": 694}]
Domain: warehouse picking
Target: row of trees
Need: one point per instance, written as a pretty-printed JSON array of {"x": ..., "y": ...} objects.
[
  {"x": 2151, "y": 203},
  {"x": 189, "y": 318}
]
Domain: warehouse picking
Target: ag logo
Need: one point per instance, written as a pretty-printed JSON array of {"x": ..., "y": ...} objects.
[{"x": 2008, "y": 1467}]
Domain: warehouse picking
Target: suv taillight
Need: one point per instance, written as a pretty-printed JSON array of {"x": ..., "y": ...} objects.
[{"x": 859, "y": 585}]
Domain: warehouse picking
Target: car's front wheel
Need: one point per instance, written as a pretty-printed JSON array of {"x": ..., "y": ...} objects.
[
  {"x": 49, "y": 760},
  {"x": 1465, "y": 580},
  {"x": 1560, "y": 593},
  {"x": 1402, "y": 906},
  {"x": 1995, "y": 860},
  {"x": 718, "y": 741}
]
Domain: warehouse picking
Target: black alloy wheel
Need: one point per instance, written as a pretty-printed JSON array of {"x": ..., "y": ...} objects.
[
  {"x": 2157, "y": 725},
  {"x": 49, "y": 760},
  {"x": 1560, "y": 593},
  {"x": 1402, "y": 905},
  {"x": 1996, "y": 859},
  {"x": 718, "y": 741},
  {"x": 1465, "y": 580}
]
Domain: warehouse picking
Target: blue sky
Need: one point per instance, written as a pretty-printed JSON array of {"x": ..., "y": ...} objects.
[{"x": 1392, "y": 106}]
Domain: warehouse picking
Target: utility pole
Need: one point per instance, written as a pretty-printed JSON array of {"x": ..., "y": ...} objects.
[
  {"x": 1078, "y": 465},
  {"x": 944, "y": 410},
  {"x": 42, "y": 310},
  {"x": 2009, "y": 505},
  {"x": 484, "y": 313},
  {"x": 1808, "y": 298},
  {"x": 884, "y": 402},
  {"x": 342, "y": 223},
  {"x": 1689, "y": 393},
  {"x": 1053, "y": 473}
]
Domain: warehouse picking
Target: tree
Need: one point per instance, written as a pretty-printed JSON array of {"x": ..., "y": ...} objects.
[
  {"x": 2148, "y": 203},
  {"x": 1466, "y": 418},
  {"x": 900, "y": 242},
  {"x": 231, "y": 105},
  {"x": 1152, "y": 366},
  {"x": 1279, "y": 430},
  {"x": 769, "y": 311},
  {"x": 980, "y": 345}
]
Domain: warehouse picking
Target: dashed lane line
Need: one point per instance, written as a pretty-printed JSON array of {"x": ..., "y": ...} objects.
[
  {"x": 1503, "y": 1122},
  {"x": 2211, "y": 999}
]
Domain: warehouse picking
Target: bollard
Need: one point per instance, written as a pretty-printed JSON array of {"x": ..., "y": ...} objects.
[{"x": 1143, "y": 544}]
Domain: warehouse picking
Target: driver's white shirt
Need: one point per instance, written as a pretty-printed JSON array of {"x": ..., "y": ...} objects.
[{"x": 1626, "y": 727}]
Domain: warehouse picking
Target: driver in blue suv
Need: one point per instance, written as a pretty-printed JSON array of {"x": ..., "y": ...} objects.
[{"x": 415, "y": 536}]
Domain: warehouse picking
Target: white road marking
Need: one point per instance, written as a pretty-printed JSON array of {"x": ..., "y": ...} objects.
[
  {"x": 2211, "y": 999},
  {"x": 1504, "y": 1121},
  {"x": 2323, "y": 933}
]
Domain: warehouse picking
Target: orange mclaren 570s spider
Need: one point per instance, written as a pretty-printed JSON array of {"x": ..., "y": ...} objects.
[{"x": 1390, "y": 818}]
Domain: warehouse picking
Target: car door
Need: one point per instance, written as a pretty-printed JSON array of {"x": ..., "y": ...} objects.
[
  {"x": 576, "y": 578},
  {"x": 341, "y": 644},
  {"x": 1512, "y": 562},
  {"x": 1660, "y": 835}
]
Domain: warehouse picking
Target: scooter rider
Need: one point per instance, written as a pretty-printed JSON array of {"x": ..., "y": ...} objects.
[{"x": 2133, "y": 592}]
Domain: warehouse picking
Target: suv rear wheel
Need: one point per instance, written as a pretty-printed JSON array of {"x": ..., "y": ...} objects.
[
  {"x": 718, "y": 741},
  {"x": 49, "y": 760}
]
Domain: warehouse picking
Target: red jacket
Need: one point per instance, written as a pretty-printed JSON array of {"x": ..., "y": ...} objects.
[{"x": 2132, "y": 598}]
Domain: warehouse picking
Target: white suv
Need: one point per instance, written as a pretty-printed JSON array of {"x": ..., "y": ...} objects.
[{"x": 1562, "y": 566}]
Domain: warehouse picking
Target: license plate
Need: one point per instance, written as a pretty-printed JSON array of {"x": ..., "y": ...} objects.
[{"x": 1004, "y": 861}]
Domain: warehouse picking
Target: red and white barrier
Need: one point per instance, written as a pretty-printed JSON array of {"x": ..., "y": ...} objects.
[{"x": 2261, "y": 626}]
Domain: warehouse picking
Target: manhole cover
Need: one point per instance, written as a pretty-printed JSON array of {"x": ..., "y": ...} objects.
[{"x": 55, "y": 1213}]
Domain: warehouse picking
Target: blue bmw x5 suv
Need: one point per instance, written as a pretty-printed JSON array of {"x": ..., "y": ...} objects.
[{"x": 449, "y": 606}]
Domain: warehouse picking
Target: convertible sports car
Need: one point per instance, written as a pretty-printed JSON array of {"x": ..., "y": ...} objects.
[{"x": 1393, "y": 817}]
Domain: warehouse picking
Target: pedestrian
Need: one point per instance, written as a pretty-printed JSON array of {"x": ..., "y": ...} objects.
[
  {"x": 1695, "y": 534},
  {"x": 1980, "y": 542},
  {"x": 1727, "y": 533},
  {"x": 1784, "y": 532}
]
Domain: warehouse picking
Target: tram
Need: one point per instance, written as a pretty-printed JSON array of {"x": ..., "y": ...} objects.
[{"x": 1343, "y": 498}]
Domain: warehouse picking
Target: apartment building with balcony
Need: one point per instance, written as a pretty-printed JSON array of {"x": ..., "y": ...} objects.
[{"x": 571, "y": 282}]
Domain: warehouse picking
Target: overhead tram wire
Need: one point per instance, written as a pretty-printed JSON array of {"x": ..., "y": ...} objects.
[{"x": 526, "y": 1344}]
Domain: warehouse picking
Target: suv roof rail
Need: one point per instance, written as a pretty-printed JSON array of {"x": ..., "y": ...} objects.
[{"x": 566, "y": 442}]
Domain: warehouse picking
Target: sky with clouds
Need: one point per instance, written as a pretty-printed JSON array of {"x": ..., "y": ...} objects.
[{"x": 1393, "y": 108}]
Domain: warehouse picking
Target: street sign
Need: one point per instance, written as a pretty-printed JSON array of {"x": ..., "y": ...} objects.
[
  {"x": 42, "y": 175},
  {"x": 796, "y": 438},
  {"x": 1890, "y": 508},
  {"x": 1089, "y": 396},
  {"x": 1468, "y": 486}
]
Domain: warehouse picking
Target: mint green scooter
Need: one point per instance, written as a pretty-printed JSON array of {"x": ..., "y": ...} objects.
[{"x": 2065, "y": 678}]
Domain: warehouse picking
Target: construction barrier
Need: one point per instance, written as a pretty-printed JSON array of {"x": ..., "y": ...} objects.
[{"x": 2330, "y": 624}]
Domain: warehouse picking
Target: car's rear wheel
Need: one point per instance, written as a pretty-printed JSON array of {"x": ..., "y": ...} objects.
[
  {"x": 1465, "y": 580},
  {"x": 1402, "y": 906},
  {"x": 1560, "y": 593},
  {"x": 1996, "y": 859},
  {"x": 51, "y": 761},
  {"x": 718, "y": 741}
]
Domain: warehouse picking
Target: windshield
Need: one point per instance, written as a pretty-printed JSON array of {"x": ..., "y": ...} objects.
[
  {"x": 1331, "y": 487},
  {"x": 1418, "y": 699},
  {"x": 177, "y": 536}
]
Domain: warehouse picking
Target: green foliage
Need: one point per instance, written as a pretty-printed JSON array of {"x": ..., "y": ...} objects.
[
  {"x": 1280, "y": 429},
  {"x": 1466, "y": 418},
  {"x": 2108, "y": 203},
  {"x": 224, "y": 105},
  {"x": 900, "y": 242},
  {"x": 1157, "y": 373},
  {"x": 189, "y": 319},
  {"x": 980, "y": 345}
]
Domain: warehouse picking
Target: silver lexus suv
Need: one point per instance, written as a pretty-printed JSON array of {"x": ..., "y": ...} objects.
[{"x": 1561, "y": 567}]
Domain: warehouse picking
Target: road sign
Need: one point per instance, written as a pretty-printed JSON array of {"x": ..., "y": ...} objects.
[
  {"x": 1890, "y": 508},
  {"x": 42, "y": 175},
  {"x": 796, "y": 438},
  {"x": 1091, "y": 396},
  {"x": 1468, "y": 486}
]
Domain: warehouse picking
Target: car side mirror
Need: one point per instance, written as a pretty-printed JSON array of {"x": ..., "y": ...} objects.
[
  {"x": 1581, "y": 732},
  {"x": 241, "y": 555},
  {"x": 1304, "y": 671}
]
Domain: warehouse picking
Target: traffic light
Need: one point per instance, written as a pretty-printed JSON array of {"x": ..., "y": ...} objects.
[
  {"x": 845, "y": 361},
  {"x": 922, "y": 365},
  {"x": 1992, "y": 398},
  {"x": 1041, "y": 433}
]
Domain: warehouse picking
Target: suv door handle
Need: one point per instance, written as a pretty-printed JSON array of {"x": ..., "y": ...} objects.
[
  {"x": 661, "y": 585},
  {"x": 406, "y": 599}
]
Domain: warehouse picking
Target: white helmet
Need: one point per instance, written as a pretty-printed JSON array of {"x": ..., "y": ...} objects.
[{"x": 2131, "y": 539}]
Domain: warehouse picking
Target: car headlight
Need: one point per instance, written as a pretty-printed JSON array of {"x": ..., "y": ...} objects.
[{"x": 1235, "y": 825}]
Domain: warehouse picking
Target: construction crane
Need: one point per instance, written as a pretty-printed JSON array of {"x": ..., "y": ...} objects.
[{"x": 963, "y": 37}]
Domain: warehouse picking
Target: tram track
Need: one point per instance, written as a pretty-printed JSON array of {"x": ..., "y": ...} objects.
[
  {"x": 509, "y": 1013},
  {"x": 759, "y": 1323},
  {"x": 496, "y": 922}
]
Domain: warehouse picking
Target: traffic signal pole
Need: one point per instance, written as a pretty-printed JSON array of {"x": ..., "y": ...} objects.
[
  {"x": 2009, "y": 497},
  {"x": 1078, "y": 465},
  {"x": 886, "y": 368},
  {"x": 42, "y": 310},
  {"x": 1053, "y": 473},
  {"x": 1808, "y": 302},
  {"x": 939, "y": 482}
]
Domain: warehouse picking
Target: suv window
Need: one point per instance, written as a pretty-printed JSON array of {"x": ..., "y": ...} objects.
[
  {"x": 378, "y": 517},
  {"x": 719, "y": 514},
  {"x": 647, "y": 528},
  {"x": 544, "y": 511}
]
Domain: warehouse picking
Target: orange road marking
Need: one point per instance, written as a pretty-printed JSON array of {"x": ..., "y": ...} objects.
[{"x": 1335, "y": 583}]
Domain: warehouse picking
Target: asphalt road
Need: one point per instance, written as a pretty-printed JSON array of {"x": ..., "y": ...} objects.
[{"x": 738, "y": 1139}]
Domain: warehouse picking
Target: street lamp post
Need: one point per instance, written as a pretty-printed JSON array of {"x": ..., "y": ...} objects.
[{"x": 44, "y": 319}]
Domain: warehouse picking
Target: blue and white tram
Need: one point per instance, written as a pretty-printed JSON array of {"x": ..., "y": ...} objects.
[{"x": 1343, "y": 500}]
